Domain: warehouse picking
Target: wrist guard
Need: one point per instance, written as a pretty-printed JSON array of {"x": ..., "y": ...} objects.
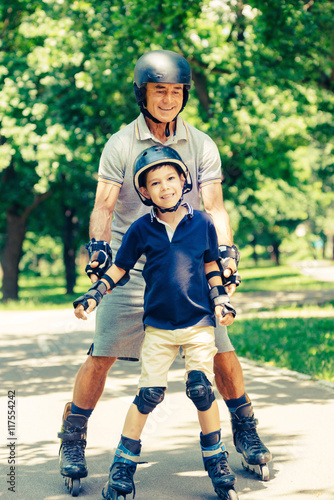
[
  {"x": 93, "y": 246},
  {"x": 234, "y": 279},
  {"x": 219, "y": 297},
  {"x": 229, "y": 259},
  {"x": 104, "y": 257},
  {"x": 95, "y": 292}
]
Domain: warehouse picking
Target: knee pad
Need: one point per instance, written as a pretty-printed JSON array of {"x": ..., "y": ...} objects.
[
  {"x": 148, "y": 398},
  {"x": 200, "y": 390}
]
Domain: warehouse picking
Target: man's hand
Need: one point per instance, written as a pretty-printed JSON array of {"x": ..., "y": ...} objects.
[
  {"x": 228, "y": 261},
  {"x": 81, "y": 313},
  {"x": 98, "y": 264}
]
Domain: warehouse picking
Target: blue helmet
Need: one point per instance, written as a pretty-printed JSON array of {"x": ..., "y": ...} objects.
[{"x": 153, "y": 157}]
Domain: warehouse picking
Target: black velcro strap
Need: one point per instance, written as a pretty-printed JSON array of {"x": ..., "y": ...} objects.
[
  {"x": 219, "y": 297},
  {"x": 234, "y": 279},
  {"x": 73, "y": 436},
  {"x": 95, "y": 292},
  {"x": 93, "y": 246},
  {"x": 227, "y": 252},
  {"x": 212, "y": 274},
  {"x": 110, "y": 281}
]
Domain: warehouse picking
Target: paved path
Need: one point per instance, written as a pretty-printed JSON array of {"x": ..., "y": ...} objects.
[
  {"x": 40, "y": 353},
  {"x": 258, "y": 301}
]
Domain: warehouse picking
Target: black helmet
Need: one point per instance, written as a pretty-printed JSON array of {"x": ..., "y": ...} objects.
[
  {"x": 152, "y": 157},
  {"x": 161, "y": 66}
]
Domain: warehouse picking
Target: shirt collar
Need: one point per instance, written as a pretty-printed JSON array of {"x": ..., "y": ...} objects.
[
  {"x": 186, "y": 205},
  {"x": 143, "y": 132}
]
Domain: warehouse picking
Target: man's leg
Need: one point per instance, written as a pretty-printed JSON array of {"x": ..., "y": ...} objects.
[
  {"x": 88, "y": 388},
  {"x": 228, "y": 375},
  {"x": 230, "y": 384},
  {"x": 90, "y": 381}
]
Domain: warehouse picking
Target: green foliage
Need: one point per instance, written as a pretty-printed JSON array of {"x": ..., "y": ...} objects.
[
  {"x": 263, "y": 89},
  {"x": 42, "y": 256},
  {"x": 267, "y": 278}
]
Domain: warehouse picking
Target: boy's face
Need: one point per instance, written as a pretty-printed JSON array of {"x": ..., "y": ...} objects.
[{"x": 164, "y": 186}]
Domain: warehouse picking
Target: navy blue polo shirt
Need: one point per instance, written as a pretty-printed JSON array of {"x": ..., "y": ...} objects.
[{"x": 177, "y": 292}]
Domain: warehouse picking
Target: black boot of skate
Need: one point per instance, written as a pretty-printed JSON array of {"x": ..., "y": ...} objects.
[
  {"x": 216, "y": 464},
  {"x": 72, "y": 462},
  {"x": 246, "y": 440},
  {"x": 122, "y": 470}
]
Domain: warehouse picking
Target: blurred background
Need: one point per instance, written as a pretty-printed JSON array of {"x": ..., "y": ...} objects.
[{"x": 263, "y": 82}]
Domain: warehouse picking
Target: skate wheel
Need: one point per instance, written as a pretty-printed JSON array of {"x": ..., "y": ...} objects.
[
  {"x": 73, "y": 486},
  {"x": 264, "y": 472},
  {"x": 226, "y": 494},
  {"x": 115, "y": 495},
  {"x": 111, "y": 494}
]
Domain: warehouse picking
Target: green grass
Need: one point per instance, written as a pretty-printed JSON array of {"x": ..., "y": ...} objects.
[
  {"x": 302, "y": 344},
  {"x": 278, "y": 279},
  {"x": 38, "y": 293}
]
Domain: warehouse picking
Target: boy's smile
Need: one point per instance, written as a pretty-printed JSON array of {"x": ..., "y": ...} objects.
[{"x": 163, "y": 186}]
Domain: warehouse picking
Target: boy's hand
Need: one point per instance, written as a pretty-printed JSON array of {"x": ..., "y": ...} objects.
[
  {"x": 81, "y": 312},
  {"x": 89, "y": 300},
  {"x": 226, "y": 320}
]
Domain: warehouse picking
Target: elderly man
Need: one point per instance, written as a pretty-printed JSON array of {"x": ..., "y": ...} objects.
[{"x": 162, "y": 80}]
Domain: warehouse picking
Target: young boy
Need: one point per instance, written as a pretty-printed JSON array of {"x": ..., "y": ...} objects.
[{"x": 183, "y": 290}]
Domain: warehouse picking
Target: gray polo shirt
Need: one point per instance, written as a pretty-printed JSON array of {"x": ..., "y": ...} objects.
[{"x": 197, "y": 150}]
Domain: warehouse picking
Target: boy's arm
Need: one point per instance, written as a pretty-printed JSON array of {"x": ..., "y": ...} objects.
[
  {"x": 87, "y": 302},
  {"x": 225, "y": 312}
]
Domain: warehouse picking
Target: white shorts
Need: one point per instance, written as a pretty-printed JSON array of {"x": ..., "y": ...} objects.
[
  {"x": 119, "y": 329},
  {"x": 161, "y": 347}
]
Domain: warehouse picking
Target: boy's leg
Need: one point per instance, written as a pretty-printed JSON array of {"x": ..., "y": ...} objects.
[
  {"x": 121, "y": 337},
  {"x": 148, "y": 397},
  {"x": 122, "y": 469},
  {"x": 199, "y": 349}
]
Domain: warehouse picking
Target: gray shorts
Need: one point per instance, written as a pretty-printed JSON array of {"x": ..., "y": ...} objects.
[{"x": 119, "y": 329}]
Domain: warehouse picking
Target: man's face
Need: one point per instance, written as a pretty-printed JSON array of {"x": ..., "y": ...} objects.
[{"x": 164, "y": 100}]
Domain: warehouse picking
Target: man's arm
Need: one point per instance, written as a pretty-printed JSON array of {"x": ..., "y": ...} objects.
[
  {"x": 212, "y": 196},
  {"x": 100, "y": 220}
]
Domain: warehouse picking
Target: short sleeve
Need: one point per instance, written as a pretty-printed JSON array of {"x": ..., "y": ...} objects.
[
  {"x": 209, "y": 164},
  {"x": 131, "y": 248},
  {"x": 211, "y": 254},
  {"x": 113, "y": 161}
]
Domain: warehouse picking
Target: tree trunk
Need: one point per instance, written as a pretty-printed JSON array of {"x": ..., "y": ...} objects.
[
  {"x": 255, "y": 255},
  {"x": 16, "y": 230},
  {"x": 69, "y": 250},
  {"x": 276, "y": 253},
  {"x": 15, "y": 234}
]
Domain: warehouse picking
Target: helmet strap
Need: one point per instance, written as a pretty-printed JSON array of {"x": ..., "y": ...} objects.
[
  {"x": 155, "y": 120},
  {"x": 172, "y": 209}
]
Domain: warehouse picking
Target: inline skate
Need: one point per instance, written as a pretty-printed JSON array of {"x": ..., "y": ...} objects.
[
  {"x": 122, "y": 470},
  {"x": 72, "y": 462},
  {"x": 216, "y": 464},
  {"x": 256, "y": 455}
]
